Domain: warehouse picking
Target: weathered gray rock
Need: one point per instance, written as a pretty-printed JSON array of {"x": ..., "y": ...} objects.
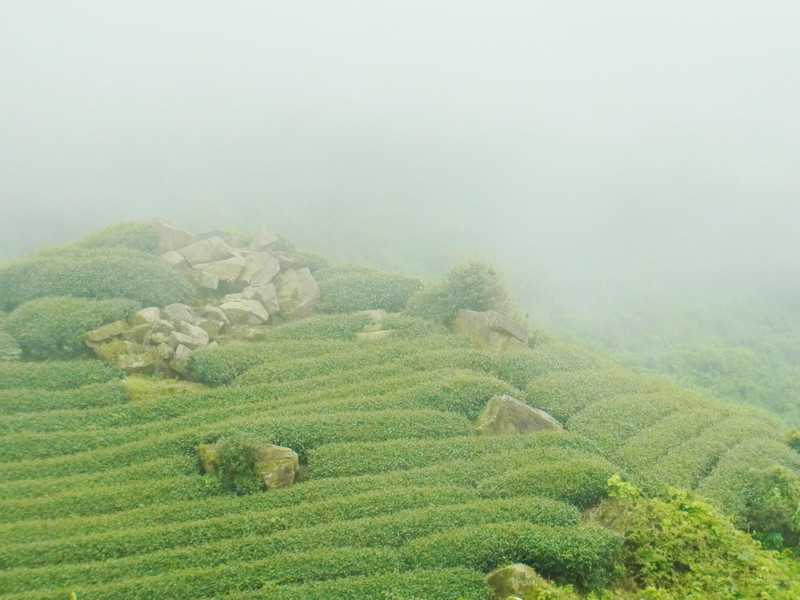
[
  {"x": 298, "y": 293},
  {"x": 215, "y": 313},
  {"x": 259, "y": 268},
  {"x": 277, "y": 466},
  {"x": 164, "y": 351},
  {"x": 251, "y": 333},
  {"x": 138, "y": 333},
  {"x": 505, "y": 415},
  {"x": 490, "y": 330},
  {"x": 178, "y": 312},
  {"x": 104, "y": 333},
  {"x": 207, "y": 251},
  {"x": 289, "y": 260},
  {"x": 176, "y": 338},
  {"x": 517, "y": 580},
  {"x": 146, "y": 316},
  {"x": 180, "y": 359},
  {"x": 244, "y": 312},
  {"x": 204, "y": 280},
  {"x": 262, "y": 240},
  {"x": 175, "y": 258},
  {"x": 170, "y": 237},
  {"x": 193, "y": 330},
  {"x": 144, "y": 362},
  {"x": 225, "y": 270},
  {"x": 211, "y": 327},
  {"x": 265, "y": 294}
]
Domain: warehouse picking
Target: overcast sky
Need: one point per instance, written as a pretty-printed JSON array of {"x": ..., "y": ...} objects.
[{"x": 575, "y": 142}]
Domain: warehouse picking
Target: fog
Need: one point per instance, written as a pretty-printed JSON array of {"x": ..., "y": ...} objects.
[{"x": 592, "y": 150}]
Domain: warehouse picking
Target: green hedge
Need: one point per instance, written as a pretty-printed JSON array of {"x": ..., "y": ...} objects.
[
  {"x": 53, "y": 327},
  {"x": 345, "y": 290},
  {"x": 135, "y": 236},
  {"x": 9, "y": 348},
  {"x": 110, "y": 272},
  {"x": 20, "y": 400},
  {"x": 56, "y": 375},
  {"x": 582, "y": 555}
]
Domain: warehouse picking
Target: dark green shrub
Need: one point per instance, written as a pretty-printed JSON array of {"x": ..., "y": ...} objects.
[
  {"x": 136, "y": 236},
  {"x": 53, "y": 327},
  {"x": 475, "y": 286},
  {"x": 56, "y": 375},
  {"x": 105, "y": 272},
  {"x": 9, "y": 348},
  {"x": 354, "y": 290}
]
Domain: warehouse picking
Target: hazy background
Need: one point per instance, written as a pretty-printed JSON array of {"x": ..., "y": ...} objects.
[{"x": 593, "y": 150}]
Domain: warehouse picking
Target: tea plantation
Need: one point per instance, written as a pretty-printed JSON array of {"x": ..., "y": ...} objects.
[{"x": 102, "y": 495}]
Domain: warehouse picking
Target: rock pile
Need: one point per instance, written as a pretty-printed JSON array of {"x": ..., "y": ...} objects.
[{"x": 247, "y": 289}]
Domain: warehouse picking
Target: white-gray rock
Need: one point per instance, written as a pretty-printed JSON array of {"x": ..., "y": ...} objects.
[
  {"x": 215, "y": 313},
  {"x": 180, "y": 359},
  {"x": 176, "y": 338},
  {"x": 225, "y": 270},
  {"x": 490, "y": 330},
  {"x": 206, "y": 251},
  {"x": 289, "y": 260},
  {"x": 178, "y": 312},
  {"x": 265, "y": 294},
  {"x": 505, "y": 415},
  {"x": 170, "y": 237},
  {"x": 259, "y": 268},
  {"x": 244, "y": 312},
  {"x": 194, "y": 331},
  {"x": 298, "y": 293},
  {"x": 175, "y": 258},
  {"x": 262, "y": 240},
  {"x": 146, "y": 316},
  {"x": 204, "y": 280}
]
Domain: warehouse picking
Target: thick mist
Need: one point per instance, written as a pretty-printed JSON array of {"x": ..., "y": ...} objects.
[{"x": 593, "y": 150}]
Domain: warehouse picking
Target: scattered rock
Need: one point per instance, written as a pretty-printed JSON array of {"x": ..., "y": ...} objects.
[
  {"x": 205, "y": 280},
  {"x": 225, "y": 270},
  {"x": 244, "y": 312},
  {"x": 289, "y": 260},
  {"x": 180, "y": 359},
  {"x": 298, "y": 293},
  {"x": 176, "y": 338},
  {"x": 262, "y": 240},
  {"x": 265, "y": 294},
  {"x": 146, "y": 316},
  {"x": 175, "y": 258},
  {"x": 277, "y": 466},
  {"x": 490, "y": 330},
  {"x": 178, "y": 312},
  {"x": 215, "y": 313},
  {"x": 505, "y": 415},
  {"x": 193, "y": 331},
  {"x": 171, "y": 238},
  {"x": 259, "y": 268},
  {"x": 516, "y": 580},
  {"x": 144, "y": 362},
  {"x": 104, "y": 333},
  {"x": 207, "y": 251}
]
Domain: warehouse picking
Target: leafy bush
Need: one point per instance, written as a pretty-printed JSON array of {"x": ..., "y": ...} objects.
[
  {"x": 56, "y": 375},
  {"x": 681, "y": 546},
  {"x": 20, "y": 400},
  {"x": 135, "y": 236},
  {"x": 9, "y": 348},
  {"x": 104, "y": 272},
  {"x": 349, "y": 290},
  {"x": 476, "y": 286},
  {"x": 53, "y": 327}
]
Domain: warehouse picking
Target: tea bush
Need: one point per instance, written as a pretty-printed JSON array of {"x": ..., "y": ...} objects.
[
  {"x": 9, "y": 348},
  {"x": 53, "y": 327},
  {"x": 345, "y": 290},
  {"x": 21, "y": 400},
  {"x": 135, "y": 236},
  {"x": 56, "y": 375},
  {"x": 102, "y": 273}
]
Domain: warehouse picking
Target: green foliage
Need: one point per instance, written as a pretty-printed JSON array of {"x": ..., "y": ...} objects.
[
  {"x": 135, "y": 236},
  {"x": 103, "y": 272},
  {"x": 53, "y": 327},
  {"x": 236, "y": 463},
  {"x": 56, "y": 375},
  {"x": 681, "y": 546},
  {"x": 21, "y": 400},
  {"x": 474, "y": 285},
  {"x": 348, "y": 288},
  {"x": 9, "y": 348}
]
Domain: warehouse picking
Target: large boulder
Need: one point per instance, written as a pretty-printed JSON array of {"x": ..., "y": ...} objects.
[
  {"x": 277, "y": 466},
  {"x": 178, "y": 312},
  {"x": 505, "y": 415},
  {"x": 519, "y": 581},
  {"x": 262, "y": 240},
  {"x": 171, "y": 238},
  {"x": 265, "y": 294},
  {"x": 490, "y": 330},
  {"x": 225, "y": 270},
  {"x": 207, "y": 251},
  {"x": 104, "y": 333},
  {"x": 244, "y": 312},
  {"x": 298, "y": 293},
  {"x": 180, "y": 360},
  {"x": 259, "y": 268}
]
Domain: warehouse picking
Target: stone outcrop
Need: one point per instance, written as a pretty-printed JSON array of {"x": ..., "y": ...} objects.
[
  {"x": 490, "y": 330},
  {"x": 519, "y": 581},
  {"x": 505, "y": 415},
  {"x": 298, "y": 293},
  {"x": 276, "y": 466},
  {"x": 171, "y": 238}
]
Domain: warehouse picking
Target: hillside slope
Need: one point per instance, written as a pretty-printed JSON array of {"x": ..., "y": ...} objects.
[{"x": 102, "y": 495}]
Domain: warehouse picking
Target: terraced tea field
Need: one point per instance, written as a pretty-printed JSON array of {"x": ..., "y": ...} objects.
[{"x": 102, "y": 494}]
